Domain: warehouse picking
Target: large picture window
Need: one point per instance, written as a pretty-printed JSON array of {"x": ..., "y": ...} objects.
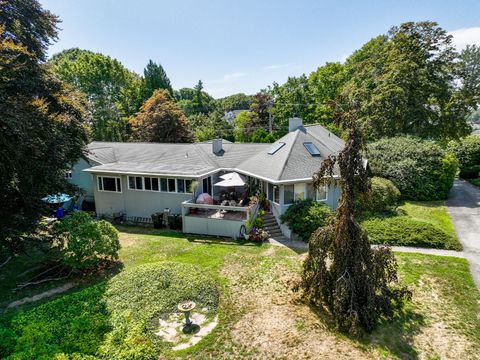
[
  {"x": 288, "y": 194},
  {"x": 109, "y": 183}
]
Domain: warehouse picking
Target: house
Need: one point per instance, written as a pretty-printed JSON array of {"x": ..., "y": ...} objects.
[
  {"x": 139, "y": 179},
  {"x": 231, "y": 115}
]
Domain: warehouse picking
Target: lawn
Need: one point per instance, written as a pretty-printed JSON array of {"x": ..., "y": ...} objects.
[
  {"x": 415, "y": 223},
  {"x": 259, "y": 315}
]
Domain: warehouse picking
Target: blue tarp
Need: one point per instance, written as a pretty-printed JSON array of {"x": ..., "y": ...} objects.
[{"x": 57, "y": 198}]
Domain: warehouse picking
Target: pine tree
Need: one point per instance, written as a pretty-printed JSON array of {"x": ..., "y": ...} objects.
[{"x": 154, "y": 78}]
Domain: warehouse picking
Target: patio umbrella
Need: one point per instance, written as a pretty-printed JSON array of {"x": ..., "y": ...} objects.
[
  {"x": 56, "y": 198},
  {"x": 204, "y": 198},
  {"x": 230, "y": 180}
]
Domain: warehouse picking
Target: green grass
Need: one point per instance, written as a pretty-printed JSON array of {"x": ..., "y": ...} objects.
[
  {"x": 419, "y": 224},
  {"x": 433, "y": 212},
  {"x": 475, "y": 182},
  {"x": 88, "y": 320}
]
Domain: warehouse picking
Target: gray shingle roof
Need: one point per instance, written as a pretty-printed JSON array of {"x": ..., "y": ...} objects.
[{"x": 290, "y": 162}]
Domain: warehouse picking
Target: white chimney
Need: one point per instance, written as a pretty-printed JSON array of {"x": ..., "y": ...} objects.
[
  {"x": 217, "y": 146},
  {"x": 294, "y": 123}
]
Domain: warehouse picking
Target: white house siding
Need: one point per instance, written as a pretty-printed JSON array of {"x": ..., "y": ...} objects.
[
  {"x": 136, "y": 203},
  {"x": 82, "y": 179}
]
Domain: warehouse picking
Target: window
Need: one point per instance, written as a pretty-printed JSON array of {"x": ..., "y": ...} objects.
[
  {"x": 135, "y": 182},
  {"x": 68, "y": 174},
  {"x": 112, "y": 184},
  {"x": 270, "y": 192},
  {"x": 171, "y": 185},
  {"x": 148, "y": 183},
  {"x": 276, "y": 194},
  {"x": 275, "y": 148},
  {"x": 180, "y": 185},
  {"x": 163, "y": 185},
  {"x": 311, "y": 194},
  {"x": 312, "y": 149},
  {"x": 288, "y": 194},
  {"x": 299, "y": 192},
  {"x": 322, "y": 193},
  {"x": 154, "y": 184},
  {"x": 188, "y": 186}
]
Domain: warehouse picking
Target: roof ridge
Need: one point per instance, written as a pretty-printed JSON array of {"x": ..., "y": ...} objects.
[
  {"x": 204, "y": 155},
  {"x": 296, "y": 132}
]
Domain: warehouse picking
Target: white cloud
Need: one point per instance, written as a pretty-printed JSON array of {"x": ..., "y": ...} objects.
[
  {"x": 465, "y": 36},
  {"x": 273, "y": 67}
]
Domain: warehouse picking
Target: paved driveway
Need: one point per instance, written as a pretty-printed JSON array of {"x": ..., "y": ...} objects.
[{"x": 464, "y": 207}]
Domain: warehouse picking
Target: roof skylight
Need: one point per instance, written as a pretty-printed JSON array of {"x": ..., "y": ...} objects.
[
  {"x": 275, "y": 148},
  {"x": 312, "y": 149}
]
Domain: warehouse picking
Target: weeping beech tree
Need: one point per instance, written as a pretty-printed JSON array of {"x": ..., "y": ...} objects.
[{"x": 357, "y": 284}]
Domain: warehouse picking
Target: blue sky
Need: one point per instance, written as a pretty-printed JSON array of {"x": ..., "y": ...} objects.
[{"x": 243, "y": 46}]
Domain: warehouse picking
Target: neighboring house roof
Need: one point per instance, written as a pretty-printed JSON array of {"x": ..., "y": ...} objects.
[
  {"x": 231, "y": 115},
  {"x": 292, "y": 161}
]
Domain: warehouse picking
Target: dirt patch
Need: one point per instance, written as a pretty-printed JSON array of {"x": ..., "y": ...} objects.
[{"x": 46, "y": 294}]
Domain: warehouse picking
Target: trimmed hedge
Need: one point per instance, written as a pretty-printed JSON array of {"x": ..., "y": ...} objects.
[
  {"x": 384, "y": 195},
  {"x": 404, "y": 231},
  {"x": 467, "y": 152},
  {"x": 305, "y": 216},
  {"x": 420, "y": 169},
  {"x": 116, "y": 319}
]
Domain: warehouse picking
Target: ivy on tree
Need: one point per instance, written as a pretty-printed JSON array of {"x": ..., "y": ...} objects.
[{"x": 357, "y": 284}]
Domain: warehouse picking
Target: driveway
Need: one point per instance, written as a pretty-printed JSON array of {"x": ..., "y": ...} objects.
[{"x": 464, "y": 207}]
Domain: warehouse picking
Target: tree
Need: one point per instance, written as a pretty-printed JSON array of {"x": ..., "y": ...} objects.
[
  {"x": 27, "y": 24},
  {"x": 154, "y": 78},
  {"x": 160, "y": 120},
  {"x": 292, "y": 99},
  {"x": 470, "y": 74},
  {"x": 194, "y": 101},
  {"x": 42, "y": 122},
  {"x": 238, "y": 101},
  {"x": 405, "y": 83},
  {"x": 211, "y": 126},
  {"x": 113, "y": 92},
  {"x": 342, "y": 272}
]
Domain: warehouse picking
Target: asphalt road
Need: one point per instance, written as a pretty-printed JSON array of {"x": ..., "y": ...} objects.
[{"x": 464, "y": 207}]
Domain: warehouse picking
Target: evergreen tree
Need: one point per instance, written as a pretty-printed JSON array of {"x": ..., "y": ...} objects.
[{"x": 154, "y": 78}]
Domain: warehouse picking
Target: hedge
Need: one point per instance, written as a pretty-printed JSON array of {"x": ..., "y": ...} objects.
[
  {"x": 384, "y": 195},
  {"x": 420, "y": 169},
  {"x": 467, "y": 152},
  {"x": 305, "y": 216},
  {"x": 404, "y": 231}
]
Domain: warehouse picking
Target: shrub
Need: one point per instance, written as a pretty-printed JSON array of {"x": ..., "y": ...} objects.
[
  {"x": 420, "y": 169},
  {"x": 404, "y": 231},
  {"x": 467, "y": 152},
  {"x": 85, "y": 241},
  {"x": 384, "y": 195},
  {"x": 115, "y": 319},
  {"x": 305, "y": 216}
]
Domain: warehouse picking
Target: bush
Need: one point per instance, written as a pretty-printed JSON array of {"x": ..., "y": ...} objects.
[
  {"x": 420, "y": 169},
  {"x": 305, "y": 216},
  {"x": 115, "y": 319},
  {"x": 467, "y": 152},
  {"x": 85, "y": 241},
  {"x": 404, "y": 231},
  {"x": 384, "y": 195}
]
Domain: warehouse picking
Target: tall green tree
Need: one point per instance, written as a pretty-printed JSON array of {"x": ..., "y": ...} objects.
[
  {"x": 405, "y": 83},
  {"x": 195, "y": 101},
  {"x": 160, "y": 120},
  {"x": 470, "y": 74},
  {"x": 42, "y": 121},
  {"x": 210, "y": 126},
  {"x": 154, "y": 78},
  {"x": 113, "y": 92}
]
